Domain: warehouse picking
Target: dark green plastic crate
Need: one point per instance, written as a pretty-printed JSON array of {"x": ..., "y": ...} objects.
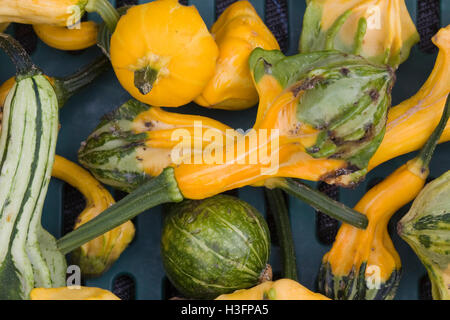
[{"x": 141, "y": 262}]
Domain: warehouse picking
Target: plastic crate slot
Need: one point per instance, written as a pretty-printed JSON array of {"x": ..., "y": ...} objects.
[
  {"x": 326, "y": 226},
  {"x": 124, "y": 287},
  {"x": 169, "y": 291},
  {"x": 121, "y": 3},
  {"x": 184, "y": 2},
  {"x": 233, "y": 193},
  {"x": 425, "y": 288},
  {"x": 73, "y": 204},
  {"x": 26, "y": 36},
  {"x": 428, "y": 23},
  {"x": 373, "y": 182},
  {"x": 277, "y": 21}
]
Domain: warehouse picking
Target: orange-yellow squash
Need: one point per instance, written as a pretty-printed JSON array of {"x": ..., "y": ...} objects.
[
  {"x": 237, "y": 32},
  {"x": 283, "y": 289},
  {"x": 363, "y": 264},
  {"x": 63, "y": 38},
  {"x": 72, "y": 293},
  {"x": 163, "y": 53},
  {"x": 97, "y": 255},
  {"x": 62, "y": 13}
]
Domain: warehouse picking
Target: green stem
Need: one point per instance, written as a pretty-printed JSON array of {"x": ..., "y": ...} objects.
[
  {"x": 108, "y": 13},
  {"x": 67, "y": 86},
  {"x": 333, "y": 31},
  {"x": 427, "y": 150},
  {"x": 162, "y": 189},
  {"x": 24, "y": 66},
  {"x": 144, "y": 79},
  {"x": 280, "y": 213},
  {"x": 320, "y": 202}
]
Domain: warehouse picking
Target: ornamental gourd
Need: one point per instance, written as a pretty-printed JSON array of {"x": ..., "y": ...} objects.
[
  {"x": 426, "y": 228},
  {"x": 381, "y": 31},
  {"x": 63, "y": 38},
  {"x": 72, "y": 293},
  {"x": 283, "y": 289},
  {"x": 215, "y": 246},
  {"x": 28, "y": 254},
  {"x": 237, "y": 32},
  {"x": 363, "y": 264},
  {"x": 62, "y": 13},
  {"x": 96, "y": 256},
  {"x": 162, "y": 53}
]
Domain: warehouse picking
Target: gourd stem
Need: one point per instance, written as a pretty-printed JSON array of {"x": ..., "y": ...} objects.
[
  {"x": 108, "y": 13},
  {"x": 67, "y": 86},
  {"x": 162, "y": 189},
  {"x": 427, "y": 151},
  {"x": 320, "y": 202},
  {"x": 144, "y": 79},
  {"x": 24, "y": 66},
  {"x": 280, "y": 213}
]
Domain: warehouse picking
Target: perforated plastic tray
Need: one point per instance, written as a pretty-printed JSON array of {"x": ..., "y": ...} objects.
[{"x": 139, "y": 274}]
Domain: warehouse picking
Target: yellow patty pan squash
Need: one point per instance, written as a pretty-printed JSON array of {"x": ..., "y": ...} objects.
[
  {"x": 163, "y": 53},
  {"x": 379, "y": 30},
  {"x": 283, "y": 289},
  {"x": 72, "y": 293},
  {"x": 237, "y": 32}
]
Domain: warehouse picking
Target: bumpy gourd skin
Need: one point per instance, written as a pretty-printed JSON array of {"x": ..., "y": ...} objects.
[
  {"x": 237, "y": 32},
  {"x": 379, "y": 30},
  {"x": 426, "y": 228},
  {"x": 163, "y": 53},
  {"x": 283, "y": 289}
]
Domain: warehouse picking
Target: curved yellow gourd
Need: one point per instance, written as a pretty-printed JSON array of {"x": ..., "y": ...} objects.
[
  {"x": 237, "y": 32},
  {"x": 411, "y": 122},
  {"x": 63, "y": 38},
  {"x": 99, "y": 254},
  {"x": 371, "y": 251},
  {"x": 54, "y": 12},
  {"x": 163, "y": 53},
  {"x": 72, "y": 293},
  {"x": 284, "y": 289}
]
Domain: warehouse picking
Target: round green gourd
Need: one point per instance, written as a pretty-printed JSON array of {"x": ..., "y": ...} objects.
[{"x": 215, "y": 246}]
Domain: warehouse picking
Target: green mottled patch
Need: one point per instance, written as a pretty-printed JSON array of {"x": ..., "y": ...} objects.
[{"x": 441, "y": 222}]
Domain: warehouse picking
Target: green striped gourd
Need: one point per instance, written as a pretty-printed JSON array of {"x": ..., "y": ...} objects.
[
  {"x": 214, "y": 246},
  {"x": 28, "y": 254},
  {"x": 426, "y": 228}
]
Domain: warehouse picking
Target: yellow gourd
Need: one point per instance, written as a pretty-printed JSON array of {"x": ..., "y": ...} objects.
[
  {"x": 72, "y": 293},
  {"x": 363, "y": 264},
  {"x": 284, "y": 289},
  {"x": 62, "y": 13},
  {"x": 63, "y": 38},
  {"x": 411, "y": 122},
  {"x": 237, "y": 32},
  {"x": 163, "y": 53},
  {"x": 97, "y": 255}
]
